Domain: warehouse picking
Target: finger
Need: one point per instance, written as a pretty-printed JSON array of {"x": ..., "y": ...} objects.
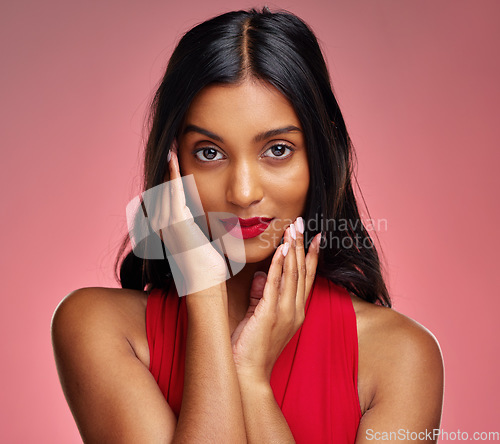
[
  {"x": 301, "y": 265},
  {"x": 311, "y": 264},
  {"x": 273, "y": 283},
  {"x": 175, "y": 183},
  {"x": 257, "y": 291},
  {"x": 174, "y": 211},
  {"x": 174, "y": 148},
  {"x": 258, "y": 284},
  {"x": 288, "y": 293},
  {"x": 159, "y": 200}
]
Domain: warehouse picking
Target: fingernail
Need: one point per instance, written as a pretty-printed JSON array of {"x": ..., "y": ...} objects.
[
  {"x": 319, "y": 241},
  {"x": 300, "y": 225},
  {"x": 292, "y": 231},
  {"x": 169, "y": 156},
  {"x": 284, "y": 251},
  {"x": 259, "y": 273}
]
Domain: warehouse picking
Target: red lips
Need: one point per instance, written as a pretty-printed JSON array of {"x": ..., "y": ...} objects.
[{"x": 249, "y": 228}]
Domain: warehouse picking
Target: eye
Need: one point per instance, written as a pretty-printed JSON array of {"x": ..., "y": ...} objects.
[
  {"x": 280, "y": 151},
  {"x": 208, "y": 154}
]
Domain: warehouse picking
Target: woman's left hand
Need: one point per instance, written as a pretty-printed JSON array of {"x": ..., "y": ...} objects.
[{"x": 277, "y": 306}]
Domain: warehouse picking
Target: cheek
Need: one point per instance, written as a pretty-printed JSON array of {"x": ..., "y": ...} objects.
[
  {"x": 291, "y": 186},
  {"x": 210, "y": 191},
  {"x": 209, "y": 194}
]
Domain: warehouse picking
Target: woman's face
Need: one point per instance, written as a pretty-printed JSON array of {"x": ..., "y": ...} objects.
[{"x": 245, "y": 147}]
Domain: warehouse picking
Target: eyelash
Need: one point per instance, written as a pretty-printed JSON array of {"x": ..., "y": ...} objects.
[{"x": 282, "y": 144}]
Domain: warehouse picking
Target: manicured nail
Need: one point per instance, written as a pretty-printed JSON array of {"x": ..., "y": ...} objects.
[
  {"x": 318, "y": 242},
  {"x": 300, "y": 225},
  {"x": 292, "y": 231},
  {"x": 284, "y": 250},
  {"x": 169, "y": 156}
]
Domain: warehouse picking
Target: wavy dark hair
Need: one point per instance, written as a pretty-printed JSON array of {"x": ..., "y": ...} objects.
[{"x": 278, "y": 48}]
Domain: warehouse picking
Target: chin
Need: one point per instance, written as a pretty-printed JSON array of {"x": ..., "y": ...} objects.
[
  {"x": 259, "y": 253},
  {"x": 253, "y": 254},
  {"x": 253, "y": 259}
]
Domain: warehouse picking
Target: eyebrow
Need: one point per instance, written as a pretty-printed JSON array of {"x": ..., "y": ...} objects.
[{"x": 258, "y": 138}]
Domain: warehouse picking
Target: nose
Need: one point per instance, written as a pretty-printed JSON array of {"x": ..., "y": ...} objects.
[{"x": 244, "y": 185}]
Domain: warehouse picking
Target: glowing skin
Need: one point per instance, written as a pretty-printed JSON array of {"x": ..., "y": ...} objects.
[{"x": 238, "y": 172}]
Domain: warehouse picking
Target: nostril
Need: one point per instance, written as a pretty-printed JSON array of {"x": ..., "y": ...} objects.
[{"x": 244, "y": 195}]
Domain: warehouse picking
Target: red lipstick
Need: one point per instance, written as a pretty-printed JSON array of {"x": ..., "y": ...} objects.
[{"x": 249, "y": 228}]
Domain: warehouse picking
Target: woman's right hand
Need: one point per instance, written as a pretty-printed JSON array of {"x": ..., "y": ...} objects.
[{"x": 196, "y": 265}]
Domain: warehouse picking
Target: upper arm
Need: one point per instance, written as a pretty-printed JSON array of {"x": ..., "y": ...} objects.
[
  {"x": 111, "y": 393},
  {"x": 409, "y": 392}
]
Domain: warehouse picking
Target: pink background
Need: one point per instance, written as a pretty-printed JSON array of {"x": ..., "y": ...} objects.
[{"x": 418, "y": 84}]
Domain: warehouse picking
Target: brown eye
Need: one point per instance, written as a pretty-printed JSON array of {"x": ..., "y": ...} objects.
[
  {"x": 280, "y": 150},
  {"x": 207, "y": 154}
]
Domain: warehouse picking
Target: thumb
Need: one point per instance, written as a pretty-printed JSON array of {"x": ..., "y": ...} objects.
[
  {"x": 256, "y": 291},
  {"x": 258, "y": 284}
]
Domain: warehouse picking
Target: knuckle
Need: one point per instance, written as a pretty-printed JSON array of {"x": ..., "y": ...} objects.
[
  {"x": 294, "y": 274},
  {"x": 298, "y": 324},
  {"x": 272, "y": 316},
  {"x": 300, "y": 317},
  {"x": 303, "y": 269},
  {"x": 288, "y": 319},
  {"x": 311, "y": 274}
]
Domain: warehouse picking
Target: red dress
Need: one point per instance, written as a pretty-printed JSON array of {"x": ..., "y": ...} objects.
[{"x": 314, "y": 379}]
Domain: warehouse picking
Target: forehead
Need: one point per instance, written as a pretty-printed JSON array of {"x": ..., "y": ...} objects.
[{"x": 250, "y": 105}]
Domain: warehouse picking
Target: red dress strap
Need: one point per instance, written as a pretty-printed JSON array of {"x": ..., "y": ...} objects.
[{"x": 166, "y": 328}]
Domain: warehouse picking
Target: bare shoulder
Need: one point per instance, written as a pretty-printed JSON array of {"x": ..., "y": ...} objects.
[
  {"x": 97, "y": 311},
  {"x": 102, "y": 357},
  {"x": 398, "y": 357},
  {"x": 380, "y": 325}
]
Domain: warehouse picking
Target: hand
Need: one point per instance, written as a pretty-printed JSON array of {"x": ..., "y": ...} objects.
[
  {"x": 186, "y": 243},
  {"x": 277, "y": 307}
]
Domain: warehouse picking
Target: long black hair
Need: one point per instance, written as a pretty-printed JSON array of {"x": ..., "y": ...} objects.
[{"x": 279, "y": 48}]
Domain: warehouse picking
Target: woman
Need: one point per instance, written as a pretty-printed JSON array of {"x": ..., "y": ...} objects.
[{"x": 298, "y": 344}]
